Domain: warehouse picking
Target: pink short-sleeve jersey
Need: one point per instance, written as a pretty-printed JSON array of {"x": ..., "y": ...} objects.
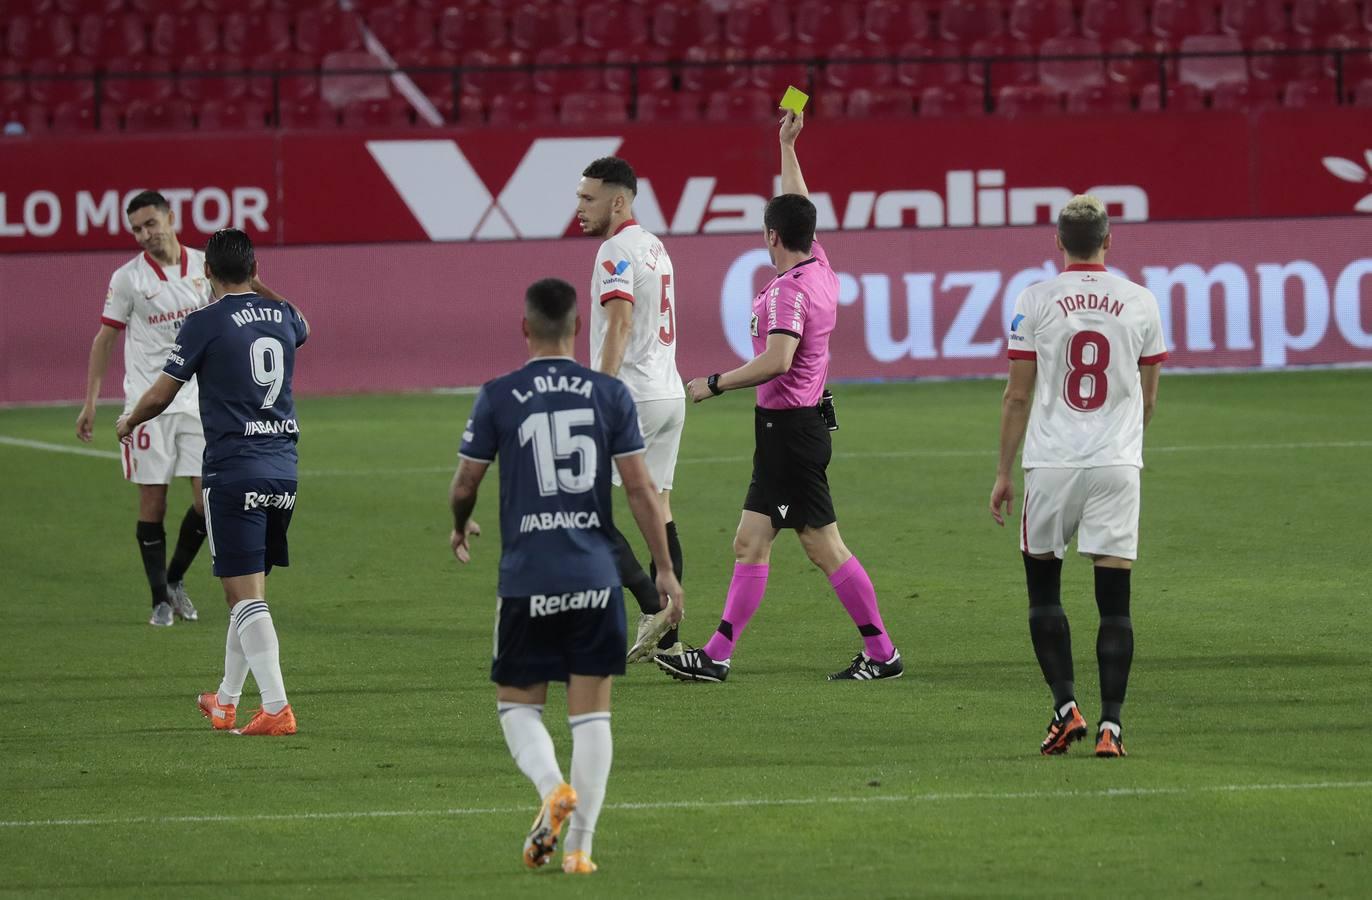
[{"x": 801, "y": 302}]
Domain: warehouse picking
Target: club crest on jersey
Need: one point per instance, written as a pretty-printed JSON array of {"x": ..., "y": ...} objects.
[{"x": 616, "y": 268}]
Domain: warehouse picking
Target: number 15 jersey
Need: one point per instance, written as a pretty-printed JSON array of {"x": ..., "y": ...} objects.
[
  {"x": 1088, "y": 331},
  {"x": 243, "y": 350}
]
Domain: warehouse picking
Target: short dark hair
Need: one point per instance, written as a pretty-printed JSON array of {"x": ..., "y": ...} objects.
[
  {"x": 229, "y": 255},
  {"x": 1083, "y": 225},
  {"x": 613, "y": 170},
  {"x": 145, "y": 199},
  {"x": 792, "y": 217},
  {"x": 550, "y": 308}
]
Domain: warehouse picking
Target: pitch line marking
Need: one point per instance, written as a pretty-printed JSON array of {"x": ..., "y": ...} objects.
[
  {"x": 57, "y": 448},
  {"x": 454, "y": 812}
]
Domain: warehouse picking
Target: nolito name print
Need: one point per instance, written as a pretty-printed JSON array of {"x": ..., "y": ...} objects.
[
  {"x": 552, "y": 604},
  {"x": 256, "y": 314}
]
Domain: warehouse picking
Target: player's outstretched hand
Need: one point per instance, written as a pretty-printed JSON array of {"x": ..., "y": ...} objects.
[
  {"x": 791, "y": 124},
  {"x": 461, "y": 549},
  {"x": 121, "y": 428},
  {"x": 85, "y": 424},
  {"x": 1002, "y": 495},
  {"x": 698, "y": 390},
  {"x": 669, "y": 593}
]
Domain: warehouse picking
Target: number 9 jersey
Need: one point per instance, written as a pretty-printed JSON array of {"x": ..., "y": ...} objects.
[
  {"x": 243, "y": 350},
  {"x": 1088, "y": 331}
]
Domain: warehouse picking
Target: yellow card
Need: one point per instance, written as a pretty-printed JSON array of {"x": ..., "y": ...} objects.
[{"x": 794, "y": 99}]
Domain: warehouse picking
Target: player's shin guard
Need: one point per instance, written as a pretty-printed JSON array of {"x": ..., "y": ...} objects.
[
  {"x": 859, "y": 598},
  {"x": 188, "y": 543},
  {"x": 1114, "y": 640},
  {"x": 152, "y": 546},
  {"x": 235, "y": 668},
  {"x": 1048, "y": 627},
  {"x": 636, "y": 581},
  {"x": 745, "y": 595},
  {"x": 530, "y": 745},
  {"x": 258, "y": 636},
  {"x": 592, "y": 753},
  {"x": 674, "y": 549}
]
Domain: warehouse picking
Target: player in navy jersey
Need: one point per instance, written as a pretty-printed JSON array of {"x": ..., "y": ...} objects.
[
  {"x": 555, "y": 426},
  {"x": 241, "y": 349}
]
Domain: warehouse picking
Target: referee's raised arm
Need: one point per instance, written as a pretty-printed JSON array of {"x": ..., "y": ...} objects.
[{"x": 792, "y": 182}]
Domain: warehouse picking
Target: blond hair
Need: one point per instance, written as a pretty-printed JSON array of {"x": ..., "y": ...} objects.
[{"x": 1083, "y": 225}]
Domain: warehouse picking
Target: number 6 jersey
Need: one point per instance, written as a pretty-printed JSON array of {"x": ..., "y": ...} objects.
[
  {"x": 242, "y": 349},
  {"x": 555, "y": 426},
  {"x": 1089, "y": 332}
]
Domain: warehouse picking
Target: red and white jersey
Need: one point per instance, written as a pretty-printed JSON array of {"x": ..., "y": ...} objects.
[
  {"x": 633, "y": 265},
  {"x": 1089, "y": 332},
  {"x": 148, "y": 303}
]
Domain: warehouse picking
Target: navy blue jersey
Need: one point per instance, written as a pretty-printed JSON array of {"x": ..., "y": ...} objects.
[
  {"x": 555, "y": 427},
  {"x": 243, "y": 349}
]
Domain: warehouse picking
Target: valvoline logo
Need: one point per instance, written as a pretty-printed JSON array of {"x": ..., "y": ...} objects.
[
  {"x": 616, "y": 268},
  {"x": 1014, "y": 323}
]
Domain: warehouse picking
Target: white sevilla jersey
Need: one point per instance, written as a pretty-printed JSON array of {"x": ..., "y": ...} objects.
[
  {"x": 633, "y": 265},
  {"x": 148, "y": 303},
  {"x": 1089, "y": 332}
]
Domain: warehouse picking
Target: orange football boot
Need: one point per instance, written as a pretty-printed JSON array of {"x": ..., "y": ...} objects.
[
  {"x": 578, "y": 862},
  {"x": 1109, "y": 745},
  {"x": 542, "y": 839},
  {"x": 1063, "y": 731},
  {"x": 221, "y": 717},
  {"x": 265, "y": 723}
]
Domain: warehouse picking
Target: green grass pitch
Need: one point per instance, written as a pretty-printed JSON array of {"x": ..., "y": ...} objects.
[{"x": 1247, "y": 722}]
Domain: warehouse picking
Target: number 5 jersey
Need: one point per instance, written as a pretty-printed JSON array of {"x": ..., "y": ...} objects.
[
  {"x": 1088, "y": 331},
  {"x": 633, "y": 266}
]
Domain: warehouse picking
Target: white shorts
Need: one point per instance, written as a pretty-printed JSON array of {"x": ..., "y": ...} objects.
[
  {"x": 660, "y": 421},
  {"x": 168, "y": 447},
  {"x": 1099, "y": 506}
]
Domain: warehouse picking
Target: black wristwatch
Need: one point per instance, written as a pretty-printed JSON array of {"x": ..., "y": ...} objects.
[{"x": 713, "y": 384}]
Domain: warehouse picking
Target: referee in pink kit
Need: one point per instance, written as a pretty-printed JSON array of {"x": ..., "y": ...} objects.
[{"x": 793, "y": 317}]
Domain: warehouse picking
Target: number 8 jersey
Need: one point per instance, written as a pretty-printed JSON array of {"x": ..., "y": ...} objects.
[
  {"x": 555, "y": 426},
  {"x": 1088, "y": 331},
  {"x": 243, "y": 350}
]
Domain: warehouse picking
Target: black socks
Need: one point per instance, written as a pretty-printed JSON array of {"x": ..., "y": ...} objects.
[
  {"x": 1048, "y": 627},
  {"x": 674, "y": 550},
  {"x": 187, "y": 545},
  {"x": 1114, "y": 640},
  {"x": 636, "y": 581},
  {"x": 152, "y": 546}
]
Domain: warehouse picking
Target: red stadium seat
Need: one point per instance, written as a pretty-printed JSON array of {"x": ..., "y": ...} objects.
[
  {"x": 1099, "y": 98},
  {"x": 351, "y": 77},
  {"x": 1304, "y": 94},
  {"x": 153, "y": 7},
  {"x": 1268, "y": 61},
  {"x": 1322, "y": 18},
  {"x": 708, "y": 69},
  {"x": 1107, "y": 20},
  {"x": 609, "y": 25},
  {"x": 952, "y": 100},
  {"x": 965, "y": 21},
  {"x": 77, "y": 116},
  {"x": 757, "y": 22},
  {"x": 819, "y": 23},
  {"x": 567, "y": 70},
  {"x": 1037, "y": 20},
  {"x": 673, "y": 106},
  {"x": 775, "y": 69},
  {"x": 204, "y": 78},
  {"x": 523, "y": 108},
  {"x": 1241, "y": 96},
  {"x": 177, "y": 35},
  {"x": 915, "y": 71},
  {"x": 643, "y": 67},
  {"x": 745, "y": 105},
  {"x": 1084, "y": 68},
  {"x": 889, "y": 102},
  {"x": 1015, "y": 100},
  {"x": 1247, "y": 19},
  {"x": 70, "y": 79},
  {"x": 534, "y": 27},
  {"x": 40, "y": 38},
  {"x": 1352, "y": 53},
  {"x": 430, "y": 70},
  {"x": 895, "y": 23},
  {"x": 248, "y": 115},
  {"x": 391, "y": 112},
  {"x": 509, "y": 76},
  {"x": 142, "y": 78},
  {"x": 14, "y": 90},
  {"x": 596, "y": 108},
  {"x": 1004, "y": 61},
  {"x": 103, "y": 7},
  {"x": 256, "y": 34},
  {"x": 1136, "y": 62},
  {"x": 471, "y": 29},
  {"x": 1207, "y": 71},
  {"x": 469, "y": 110},
  {"x": 1362, "y": 94},
  {"x": 403, "y": 29},
  {"x": 1176, "y": 19},
  {"x": 158, "y": 116},
  {"x": 1180, "y": 98},
  {"x": 846, "y": 70},
  {"x": 677, "y": 27},
  {"x": 111, "y": 37},
  {"x": 308, "y": 113},
  {"x": 319, "y": 33},
  {"x": 300, "y": 83},
  {"x": 32, "y": 117}
]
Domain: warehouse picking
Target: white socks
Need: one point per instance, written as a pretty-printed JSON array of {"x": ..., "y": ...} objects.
[
  {"x": 592, "y": 752},
  {"x": 235, "y": 668},
  {"x": 258, "y": 638},
  {"x": 530, "y": 745}
]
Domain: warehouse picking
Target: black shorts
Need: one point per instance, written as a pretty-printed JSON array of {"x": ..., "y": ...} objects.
[
  {"x": 548, "y": 637},
  {"x": 246, "y": 524},
  {"x": 790, "y": 458}
]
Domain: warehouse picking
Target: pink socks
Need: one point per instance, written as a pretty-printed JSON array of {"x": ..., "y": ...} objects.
[
  {"x": 745, "y": 594},
  {"x": 857, "y": 595}
]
